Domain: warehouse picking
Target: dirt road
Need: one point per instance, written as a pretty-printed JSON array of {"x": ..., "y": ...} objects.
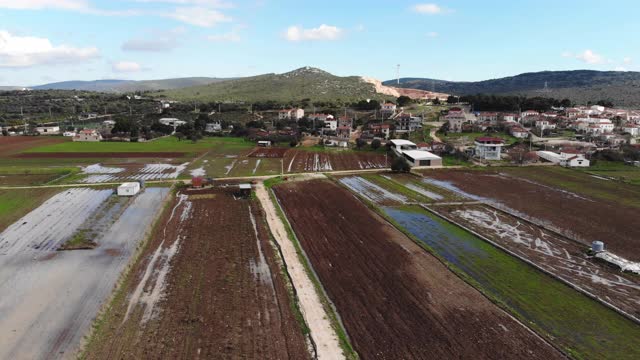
[{"x": 324, "y": 336}]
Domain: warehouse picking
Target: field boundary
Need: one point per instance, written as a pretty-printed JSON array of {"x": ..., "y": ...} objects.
[{"x": 546, "y": 272}]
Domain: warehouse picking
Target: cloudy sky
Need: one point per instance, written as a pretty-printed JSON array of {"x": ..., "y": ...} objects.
[{"x": 55, "y": 40}]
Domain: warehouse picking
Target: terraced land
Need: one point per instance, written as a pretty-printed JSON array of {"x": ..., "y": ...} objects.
[
  {"x": 208, "y": 285},
  {"x": 395, "y": 299}
]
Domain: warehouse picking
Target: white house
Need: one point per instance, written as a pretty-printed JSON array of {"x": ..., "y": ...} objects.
[
  {"x": 489, "y": 148},
  {"x": 48, "y": 130},
  {"x": 509, "y": 117},
  {"x": 519, "y": 132},
  {"x": 129, "y": 189},
  {"x": 602, "y": 127},
  {"x": 566, "y": 158},
  {"x": 388, "y": 108},
  {"x": 399, "y": 146},
  {"x": 632, "y": 129},
  {"x": 213, "y": 127},
  {"x": 544, "y": 124},
  {"x": 172, "y": 122},
  {"x": 331, "y": 124},
  {"x": 88, "y": 136},
  {"x": 295, "y": 114},
  {"x": 69, "y": 134},
  {"x": 528, "y": 113}
]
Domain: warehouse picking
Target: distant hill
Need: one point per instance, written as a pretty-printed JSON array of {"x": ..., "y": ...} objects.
[
  {"x": 10, "y": 88},
  {"x": 118, "y": 86},
  {"x": 304, "y": 83},
  {"x": 581, "y": 86}
]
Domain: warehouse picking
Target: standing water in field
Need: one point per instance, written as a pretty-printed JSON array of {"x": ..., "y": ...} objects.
[{"x": 579, "y": 325}]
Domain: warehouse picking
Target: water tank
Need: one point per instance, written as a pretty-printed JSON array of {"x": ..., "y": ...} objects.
[{"x": 597, "y": 246}]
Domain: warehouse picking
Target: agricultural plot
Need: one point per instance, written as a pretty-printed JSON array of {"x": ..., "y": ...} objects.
[
  {"x": 584, "y": 328},
  {"x": 264, "y": 152},
  {"x": 50, "y": 298},
  {"x": 559, "y": 256},
  {"x": 296, "y": 161},
  {"x": 209, "y": 285},
  {"x": 395, "y": 299},
  {"x": 570, "y": 213},
  {"x": 14, "y": 204},
  {"x": 10, "y": 145},
  {"x": 373, "y": 192},
  {"x": 235, "y": 166},
  {"x": 434, "y": 193},
  {"x": 97, "y": 173}
]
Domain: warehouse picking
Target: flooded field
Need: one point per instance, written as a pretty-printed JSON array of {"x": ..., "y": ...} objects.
[
  {"x": 578, "y": 324},
  {"x": 50, "y": 298}
]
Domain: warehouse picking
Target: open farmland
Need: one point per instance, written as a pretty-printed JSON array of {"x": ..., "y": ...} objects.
[
  {"x": 96, "y": 173},
  {"x": 50, "y": 298},
  {"x": 297, "y": 161},
  {"x": 209, "y": 285},
  {"x": 14, "y": 204},
  {"x": 573, "y": 214},
  {"x": 583, "y": 327},
  {"x": 395, "y": 299},
  {"x": 10, "y": 145},
  {"x": 557, "y": 255}
]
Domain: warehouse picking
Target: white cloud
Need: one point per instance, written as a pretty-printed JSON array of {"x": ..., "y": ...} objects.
[
  {"x": 25, "y": 51},
  {"x": 323, "y": 32},
  {"x": 430, "y": 9},
  {"x": 432, "y": 34},
  {"x": 158, "y": 41},
  {"x": 44, "y": 4},
  {"x": 126, "y": 66},
  {"x": 198, "y": 16},
  {"x": 627, "y": 60},
  {"x": 588, "y": 56}
]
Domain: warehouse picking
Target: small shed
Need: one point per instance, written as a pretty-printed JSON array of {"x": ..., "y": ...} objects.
[
  {"x": 129, "y": 189},
  {"x": 245, "y": 190},
  {"x": 264, "y": 143}
]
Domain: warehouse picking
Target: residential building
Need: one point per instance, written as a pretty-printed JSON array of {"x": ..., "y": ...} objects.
[
  {"x": 330, "y": 124},
  {"x": 455, "y": 118},
  {"x": 172, "y": 122},
  {"x": 291, "y": 114},
  {"x": 519, "y": 132},
  {"x": 213, "y": 127},
  {"x": 490, "y": 117},
  {"x": 48, "y": 130},
  {"x": 489, "y": 148},
  {"x": 408, "y": 123},
  {"x": 527, "y": 113},
  {"x": 343, "y": 132},
  {"x": 388, "y": 108},
  {"x": 89, "y": 135},
  {"x": 544, "y": 124},
  {"x": 399, "y": 145},
  {"x": 419, "y": 158},
  {"x": 380, "y": 130},
  {"x": 510, "y": 117},
  {"x": 632, "y": 129}
]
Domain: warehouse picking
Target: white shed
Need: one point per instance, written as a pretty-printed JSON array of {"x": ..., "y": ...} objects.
[{"x": 129, "y": 189}]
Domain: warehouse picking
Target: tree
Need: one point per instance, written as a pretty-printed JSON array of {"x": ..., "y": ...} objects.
[
  {"x": 180, "y": 136},
  {"x": 400, "y": 164},
  {"x": 360, "y": 143},
  {"x": 435, "y": 101},
  {"x": 403, "y": 101},
  {"x": 293, "y": 143},
  {"x": 452, "y": 99},
  {"x": 375, "y": 144}
]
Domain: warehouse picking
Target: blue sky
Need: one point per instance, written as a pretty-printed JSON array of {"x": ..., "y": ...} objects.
[{"x": 55, "y": 40}]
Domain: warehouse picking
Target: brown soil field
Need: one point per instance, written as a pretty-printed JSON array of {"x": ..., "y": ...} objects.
[
  {"x": 207, "y": 286},
  {"x": 575, "y": 215},
  {"x": 396, "y": 300},
  {"x": 296, "y": 161},
  {"x": 26, "y": 179},
  {"x": 99, "y": 155},
  {"x": 263, "y": 152},
  {"x": 15, "y": 144}
]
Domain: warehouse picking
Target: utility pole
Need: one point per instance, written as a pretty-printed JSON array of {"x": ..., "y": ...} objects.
[{"x": 398, "y": 73}]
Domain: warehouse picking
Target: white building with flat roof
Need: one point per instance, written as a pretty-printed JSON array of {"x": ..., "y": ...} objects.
[
  {"x": 415, "y": 157},
  {"x": 129, "y": 189}
]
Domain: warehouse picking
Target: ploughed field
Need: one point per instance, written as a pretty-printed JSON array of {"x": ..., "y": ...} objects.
[
  {"x": 297, "y": 161},
  {"x": 395, "y": 299},
  {"x": 574, "y": 214},
  {"x": 208, "y": 285},
  {"x": 10, "y": 145}
]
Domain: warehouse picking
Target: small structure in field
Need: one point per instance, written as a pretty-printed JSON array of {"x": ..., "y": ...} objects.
[
  {"x": 264, "y": 143},
  {"x": 48, "y": 130},
  {"x": 129, "y": 189},
  {"x": 567, "y": 158},
  {"x": 244, "y": 190}
]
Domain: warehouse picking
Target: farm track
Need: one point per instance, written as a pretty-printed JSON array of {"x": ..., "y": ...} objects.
[
  {"x": 207, "y": 286},
  {"x": 396, "y": 300}
]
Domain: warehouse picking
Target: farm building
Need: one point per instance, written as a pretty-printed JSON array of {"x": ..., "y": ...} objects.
[
  {"x": 88, "y": 135},
  {"x": 422, "y": 158},
  {"x": 399, "y": 146},
  {"x": 264, "y": 143},
  {"x": 566, "y": 158},
  {"x": 48, "y": 130},
  {"x": 129, "y": 189},
  {"x": 172, "y": 122},
  {"x": 489, "y": 148}
]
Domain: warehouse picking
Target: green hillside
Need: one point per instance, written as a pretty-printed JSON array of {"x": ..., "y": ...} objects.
[
  {"x": 120, "y": 86},
  {"x": 581, "y": 86},
  {"x": 304, "y": 83}
]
